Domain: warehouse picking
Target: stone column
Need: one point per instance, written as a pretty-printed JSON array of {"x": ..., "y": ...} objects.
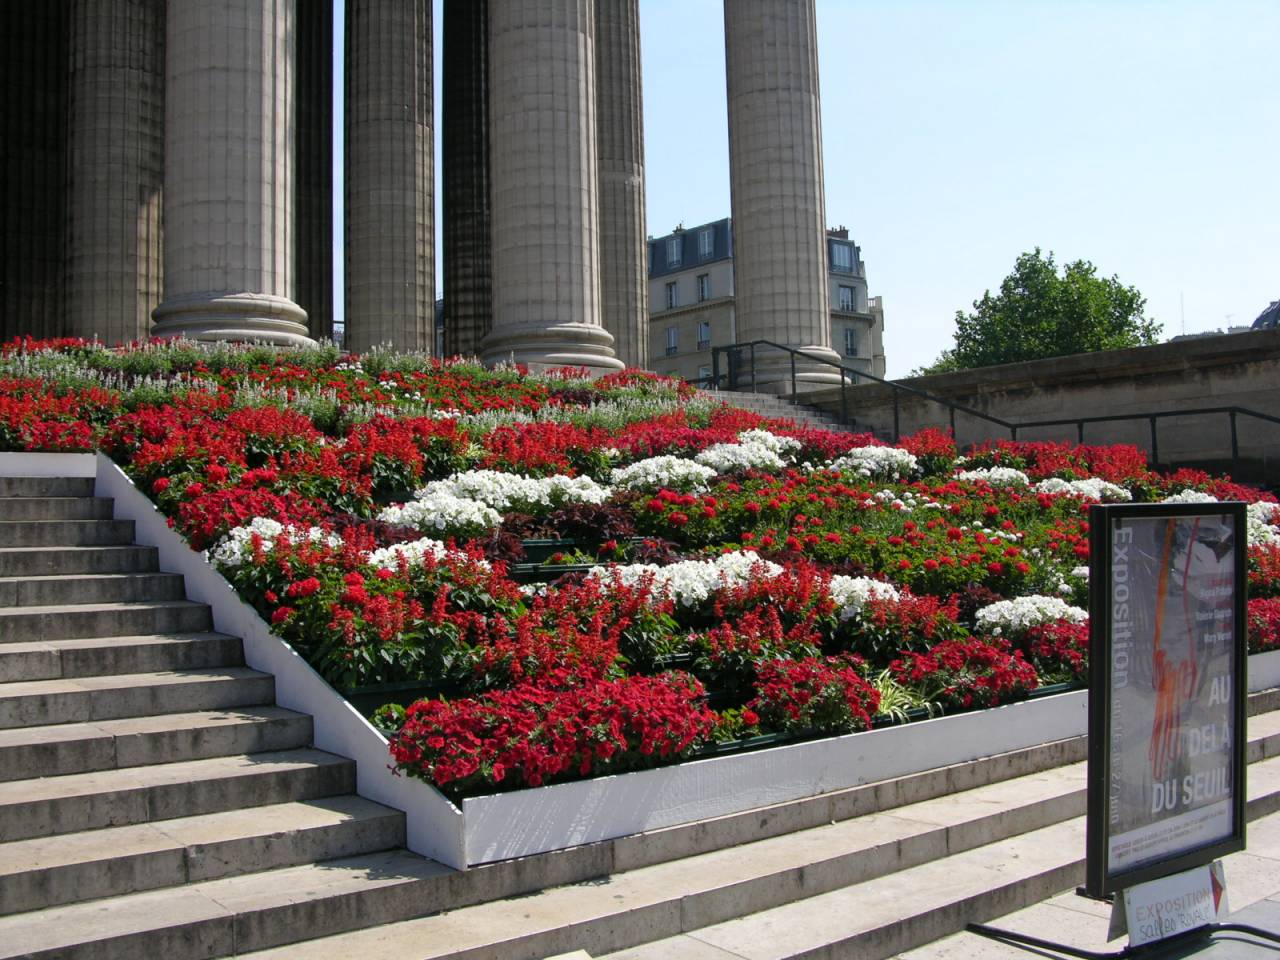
[
  {"x": 624, "y": 288},
  {"x": 314, "y": 197},
  {"x": 542, "y": 140},
  {"x": 390, "y": 243},
  {"x": 115, "y": 167},
  {"x": 468, "y": 262},
  {"x": 229, "y": 173},
  {"x": 33, "y": 111},
  {"x": 775, "y": 164}
]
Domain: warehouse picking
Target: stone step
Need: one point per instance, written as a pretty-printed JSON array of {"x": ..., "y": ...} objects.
[
  {"x": 68, "y": 748},
  {"x": 112, "y": 798},
  {"x": 68, "y": 533},
  {"x": 55, "y": 508},
  {"x": 92, "y": 588},
  {"x": 101, "y": 656},
  {"x": 70, "y": 622},
  {"x": 70, "y": 868},
  {"x": 67, "y": 560},
  {"x": 866, "y": 889},
  {"x": 84, "y": 699},
  {"x": 46, "y": 486}
]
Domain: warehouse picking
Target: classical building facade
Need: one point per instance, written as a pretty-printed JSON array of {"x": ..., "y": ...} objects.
[
  {"x": 693, "y": 303},
  {"x": 167, "y": 172}
]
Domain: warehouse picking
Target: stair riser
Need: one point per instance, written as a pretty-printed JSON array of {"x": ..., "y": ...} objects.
[
  {"x": 46, "y": 486},
  {"x": 17, "y": 626},
  {"x": 71, "y": 883},
  {"x": 67, "y": 562},
  {"x": 53, "y": 663},
  {"x": 167, "y": 801},
  {"x": 82, "y": 706},
  {"x": 133, "y": 589},
  {"x": 106, "y": 752},
  {"x": 60, "y": 508},
  {"x": 65, "y": 533}
]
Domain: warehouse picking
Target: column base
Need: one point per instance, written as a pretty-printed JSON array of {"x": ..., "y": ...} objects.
[
  {"x": 248, "y": 317},
  {"x": 561, "y": 345}
]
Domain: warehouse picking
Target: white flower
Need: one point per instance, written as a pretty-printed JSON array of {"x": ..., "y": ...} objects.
[
  {"x": 888, "y": 463},
  {"x": 1026, "y": 612},
  {"x": 674, "y": 473},
  {"x": 1190, "y": 496},
  {"x": 443, "y": 513},
  {"x": 1094, "y": 488},
  {"x": 512, "y": 491},
  {"x": 415, "y": 551},
  {"x": 728, "y": 457},
  {"x": 237, "y": 546},
  {"x": 691, "y": 582},
  {"x": 852, "y": 593},
  {"x": 996, "y": 476},
  {"x": 1261, "y": 519}
]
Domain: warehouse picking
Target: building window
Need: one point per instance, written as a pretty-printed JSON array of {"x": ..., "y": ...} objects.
[
  {"x": 846, "y": 298},
  {"x": 842, "y": 257},
  {"x": 706, "y": 243},
  {"x": 673, "y": 296},
  {"x": 850, "y": 341},
  {"x": 704, "y": 334},
  {"x": 675, "y": 251},
  {"x": 704, "y": 286},
  {"x": 673, "y": 340}
]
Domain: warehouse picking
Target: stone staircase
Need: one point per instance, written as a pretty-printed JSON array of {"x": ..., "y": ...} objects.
[
  {"x": 154, "y": 802},
  {"x": 769, "y": 405}
]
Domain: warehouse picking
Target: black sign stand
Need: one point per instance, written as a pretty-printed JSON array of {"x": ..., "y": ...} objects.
[{"x": 1102, "y": 882}]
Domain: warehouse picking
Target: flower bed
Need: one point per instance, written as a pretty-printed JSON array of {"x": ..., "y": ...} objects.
[{"x": 728, "y": 578}]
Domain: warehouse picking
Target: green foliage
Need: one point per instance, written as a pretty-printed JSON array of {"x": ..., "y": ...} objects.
[{"x": 1040, "y": 312}]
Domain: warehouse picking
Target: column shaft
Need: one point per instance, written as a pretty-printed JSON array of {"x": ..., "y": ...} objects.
[
  {"x": 115, "y": 167},
  {"x": 468, "y": 263},
  {"x": 390, "y": 222},
  {"x": 624, "y": 288},
  {"x": 229, "y": 173},
  {"x": 775, "y": 162},
  {"x": 542, "y": 140}
]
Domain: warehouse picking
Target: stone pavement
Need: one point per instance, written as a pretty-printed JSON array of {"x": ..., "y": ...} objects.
[{"x": 1253, "y": 892}]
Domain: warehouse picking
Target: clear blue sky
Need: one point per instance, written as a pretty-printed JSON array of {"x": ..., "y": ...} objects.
[{"x": 1143, "y": 135}]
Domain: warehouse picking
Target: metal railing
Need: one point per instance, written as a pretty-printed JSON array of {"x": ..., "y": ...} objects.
[{"x": 849, "y": 376}]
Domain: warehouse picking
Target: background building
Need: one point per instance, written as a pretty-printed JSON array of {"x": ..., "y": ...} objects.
[{"x": 692, "y": 305}]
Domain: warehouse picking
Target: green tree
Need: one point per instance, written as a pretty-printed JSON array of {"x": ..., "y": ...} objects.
[{"x": 1039, "y": 312}]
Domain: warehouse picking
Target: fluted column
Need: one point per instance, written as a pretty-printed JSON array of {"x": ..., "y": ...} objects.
[
  {"x": 542, "y": 140},
  {"x": 314, "y": 197},
  {"x": 624, "y": 288},
  {"x": 468, "y": 264},
  {"x": 775, "y": 163},
  {"x": 33, "y": 111},
  {"x": 115, "y": 167},
  {"x": 229, "y": 173},
  {"x": 390, "y": 242}
]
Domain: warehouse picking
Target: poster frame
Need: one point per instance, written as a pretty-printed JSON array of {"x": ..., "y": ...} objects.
[{"x": 1099, "y": 882}]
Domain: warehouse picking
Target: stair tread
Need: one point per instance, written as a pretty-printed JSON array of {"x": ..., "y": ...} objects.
[
  {"x": 133, "y": 726},
  {"x": 61, "y": 850},
  {"x": 186, "y": 771},
  {"x": 134, "y": 640},
  {"x": 99, "y": 607},
  {"x": 81, "y": 577},
  {"x": 673, "y": 884},
  {"x": 26, "y": 688}
]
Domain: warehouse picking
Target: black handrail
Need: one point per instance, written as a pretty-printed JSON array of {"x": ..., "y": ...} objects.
[{"x": 1232, "y": 412}]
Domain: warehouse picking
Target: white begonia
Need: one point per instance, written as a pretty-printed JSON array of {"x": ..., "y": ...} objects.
[
  {"x": 1259, "y": 518},
  {"x": 513, "y": 491},
  {"x": 415, "y": 551},
  {"x": 996, "y": 476},
  {"x": 881, "y": 463},
  {"x": 691, "y": 582},
  {"x": 782, "y": 446},
  {"x": 728, "y": 457},
  {"x": 1015, "y": 616},
  {"x": 1190, "y": 496},
  {"x": 237, "y": 546},
  {"x": 852, "y": 593},
  {"x": 1094, "y": 488},
  {"x": 443, "y": 513},
  {"x": 674, "y": 473}
]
